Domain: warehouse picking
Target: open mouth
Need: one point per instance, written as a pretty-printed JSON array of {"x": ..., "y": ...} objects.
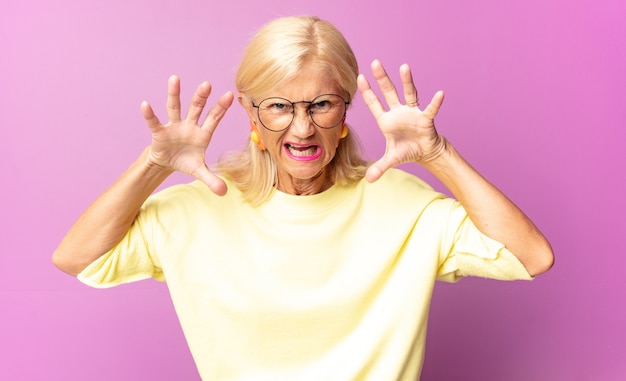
[{"x": 303, "y": 152}]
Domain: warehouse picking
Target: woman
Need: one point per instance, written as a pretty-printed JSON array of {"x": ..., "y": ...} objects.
[{"x": 311, "y": 264}]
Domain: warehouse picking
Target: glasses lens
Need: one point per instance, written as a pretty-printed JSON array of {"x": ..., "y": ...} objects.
[
  {"x": 327, "y": 111},
  {"x": 276, "y": 113}
]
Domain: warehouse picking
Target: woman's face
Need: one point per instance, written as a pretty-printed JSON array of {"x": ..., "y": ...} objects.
[{"x": 302, "y": 150}]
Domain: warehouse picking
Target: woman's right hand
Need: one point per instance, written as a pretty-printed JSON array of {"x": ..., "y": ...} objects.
[{"x": 180, "y": 144}]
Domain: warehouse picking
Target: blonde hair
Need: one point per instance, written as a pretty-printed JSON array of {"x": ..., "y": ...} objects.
[{"x": 278, "y": 51}]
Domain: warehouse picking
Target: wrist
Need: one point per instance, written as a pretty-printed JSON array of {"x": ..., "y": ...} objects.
[
  {"x": 151, "y": 167},
  {"x": 449, "y": 166},
  {"x": 440, "y": 149}
]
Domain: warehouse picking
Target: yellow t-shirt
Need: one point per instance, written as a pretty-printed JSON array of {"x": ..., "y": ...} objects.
[{"x": 333, "y": 286}]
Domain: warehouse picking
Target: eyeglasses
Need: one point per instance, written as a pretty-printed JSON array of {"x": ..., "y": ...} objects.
[{"x": 326, "y": 111}]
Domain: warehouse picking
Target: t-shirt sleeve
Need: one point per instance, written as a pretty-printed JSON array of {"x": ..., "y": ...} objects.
[
  {"x": 465, "y": 251},
  {"x": 129, "y": 261}
]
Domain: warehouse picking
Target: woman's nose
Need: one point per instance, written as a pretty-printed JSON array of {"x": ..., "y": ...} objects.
[{"x": 302, "y": 125}]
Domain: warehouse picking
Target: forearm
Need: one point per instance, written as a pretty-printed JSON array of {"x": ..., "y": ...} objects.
[
  {"x": 109, "y": 217},
  {"x": 491, "y": 211}
]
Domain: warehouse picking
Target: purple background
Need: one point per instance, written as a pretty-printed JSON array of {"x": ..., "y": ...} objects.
[{"x": 534, "y": 99}]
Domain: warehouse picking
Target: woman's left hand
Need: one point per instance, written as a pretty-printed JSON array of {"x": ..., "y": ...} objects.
[{"x": 409, "y": 132}]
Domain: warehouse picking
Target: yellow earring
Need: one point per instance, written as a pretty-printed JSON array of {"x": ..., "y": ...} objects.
[
  {"x": 344, "y": 131},
  {"x": 255, "y": 137}
]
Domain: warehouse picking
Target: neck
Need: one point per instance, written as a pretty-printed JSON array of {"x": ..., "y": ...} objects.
[{"x": 302, "y": 187}]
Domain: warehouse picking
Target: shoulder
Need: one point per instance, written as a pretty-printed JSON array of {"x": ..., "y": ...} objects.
[
  {"x": 400, "y": 182},
  {"x": 400, "y": 190}
]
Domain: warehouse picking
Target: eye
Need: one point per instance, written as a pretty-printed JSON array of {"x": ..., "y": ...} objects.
[
  {"x": 276, "y": 106},
  {"x": 321, "y": 106}
]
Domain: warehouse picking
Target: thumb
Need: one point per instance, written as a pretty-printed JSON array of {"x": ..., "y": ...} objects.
[
  {"x": 217, "y": 185},
  {"x": 435, "y": 104},
  {"x": 376, "y": 170}
]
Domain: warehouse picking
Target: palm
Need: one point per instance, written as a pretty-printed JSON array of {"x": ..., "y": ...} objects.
[
  {"x": 408, "y": 134},
  {"x": 180, "y": 146}
]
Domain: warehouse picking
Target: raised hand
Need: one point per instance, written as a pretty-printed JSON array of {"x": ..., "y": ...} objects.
[
  {"x": 409, "y": 132},
  {"x": 180, "y": 144}
]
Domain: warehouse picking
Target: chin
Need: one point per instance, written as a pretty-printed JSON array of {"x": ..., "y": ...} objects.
[{"x": 308, "y": 173}]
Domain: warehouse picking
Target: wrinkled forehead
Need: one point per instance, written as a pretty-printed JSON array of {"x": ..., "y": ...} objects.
[{"x": 309, "y": 82}]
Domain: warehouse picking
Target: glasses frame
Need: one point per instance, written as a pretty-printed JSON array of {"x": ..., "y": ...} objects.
[{"x": 308, "y": 111}]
